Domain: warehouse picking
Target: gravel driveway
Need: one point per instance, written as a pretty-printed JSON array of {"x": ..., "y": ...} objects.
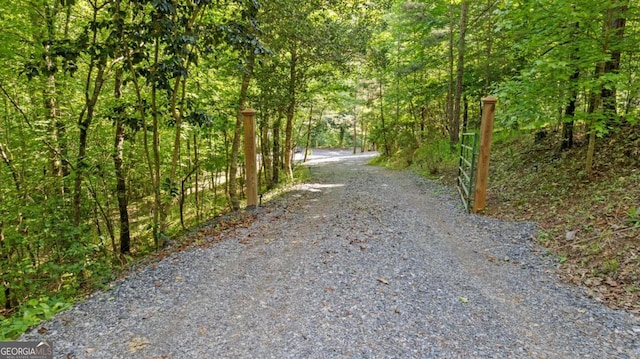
[{"x": 361, "y": 262}]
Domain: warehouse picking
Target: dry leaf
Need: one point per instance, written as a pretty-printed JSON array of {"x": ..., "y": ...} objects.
[
  {"x": 137, "y": 344},
  {"x": 382, "y": 280},
  {"x": 611, "y": 282}
]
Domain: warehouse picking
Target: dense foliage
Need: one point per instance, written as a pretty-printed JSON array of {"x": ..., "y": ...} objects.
[{"x": 120, "y": 119}]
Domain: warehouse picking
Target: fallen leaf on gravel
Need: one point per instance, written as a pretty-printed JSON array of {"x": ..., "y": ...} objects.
[
  {"x": 179, "y": 277},
  {"x": 382, "y": 280},
  {"x": 137, "y": 344},
  {"x": 329, "y": 289},
  {"x": 464, "y": 299},
  {"x": 90, "y": 350}
]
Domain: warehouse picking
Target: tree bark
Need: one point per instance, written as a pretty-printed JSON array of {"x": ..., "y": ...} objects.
[
  {"x": 118, "y": 156},
  {"x": 121, "y": 177},
  {"x": 569, "y": 114},
  {"x": 291, "y": 109},
  {"x": 306, "y": 145},
  {"x": 267, "y": 161},
  {"x": 455, "y": 122},
  {"x": 570, "y": 109},
  {"x": 451, "y": 87},
  {"x": 17, "y": 181},
  {"x": 158, "y": 213},
  {"x": 84, "y": 122},
  {"x": 235, "y": 146},
  {"x": 276, "y": 152},
  {"x": 615, "y": 22},
  {"x": 355, "y": 132},
  {"x": 387, "y": 149},
  {"x": 594, "y": 106},
  {"x": 59, "y": 167}
]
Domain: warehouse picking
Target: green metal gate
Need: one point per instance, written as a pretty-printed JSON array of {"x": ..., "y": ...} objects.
[{"x": 467, "y": 168}]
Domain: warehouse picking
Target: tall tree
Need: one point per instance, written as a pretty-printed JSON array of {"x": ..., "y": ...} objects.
[
  {"x": 455, "y": 123},
  {"x": 615, "y": 20},
  {"x": 120, "y": 133}
]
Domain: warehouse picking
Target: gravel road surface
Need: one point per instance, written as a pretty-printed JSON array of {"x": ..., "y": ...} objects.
[{"x": 361, "y": 262}]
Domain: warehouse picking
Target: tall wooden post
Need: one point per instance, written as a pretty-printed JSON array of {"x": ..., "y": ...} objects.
[
  {"x": 249, "y": 117},
  {"x": 486, "y": 130}
]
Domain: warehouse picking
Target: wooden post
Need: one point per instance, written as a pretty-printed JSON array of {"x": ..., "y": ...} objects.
[
  {"x": 251, "y": 165},
  {"x": 486, "y": 130}
]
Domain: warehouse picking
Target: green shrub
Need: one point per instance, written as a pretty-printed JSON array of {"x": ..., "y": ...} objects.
[
  {"x": 434, "y": 157},
  {"x": 32, "y": 313}
]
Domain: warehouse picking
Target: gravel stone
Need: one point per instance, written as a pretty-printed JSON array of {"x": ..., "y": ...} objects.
[{"x": 361, "y": 262}]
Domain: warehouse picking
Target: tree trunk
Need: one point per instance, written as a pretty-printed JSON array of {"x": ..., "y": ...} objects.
[
  {"x": 451, "y": 87},
  {"x": 235, "y": 146},
  {"x": 387, "y": 150},
  {"x": 615, "y": 22},
  {"x": 465, "y": 114},
  {"x": 267, "y": 161},
  {"x": 158, "y": 212},
  {"x": 594, "y": 107},
  {"x": 291, "y": 109},
  {"x": 591, "y": 148},
  {"x": 59, "y": 167},
  {"x": 570, "y": 110},
  {"x": 489, "y": 43},
  {"x": 118, "y": 152},
  {"x": 196, "y": 162},
  {"x": 276, "y": 152},
  {"x": 455, "y": 123},
  {"x": 363, "y": 129},
  {"x": 306, "y": 145},
  {"x": 17, "y": 181},
  {"x": 84, "y": 122},
  {"x": 569, "y": 114},
  {"x": 355, "y": 132},
  {"x": 121, "y": 177}
]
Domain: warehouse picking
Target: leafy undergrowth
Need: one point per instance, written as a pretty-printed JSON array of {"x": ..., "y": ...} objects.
[{"x": 591, "y": 224}]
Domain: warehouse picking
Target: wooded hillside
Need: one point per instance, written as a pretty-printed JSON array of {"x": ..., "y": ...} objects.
[{"x": 121, "y": 128}]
